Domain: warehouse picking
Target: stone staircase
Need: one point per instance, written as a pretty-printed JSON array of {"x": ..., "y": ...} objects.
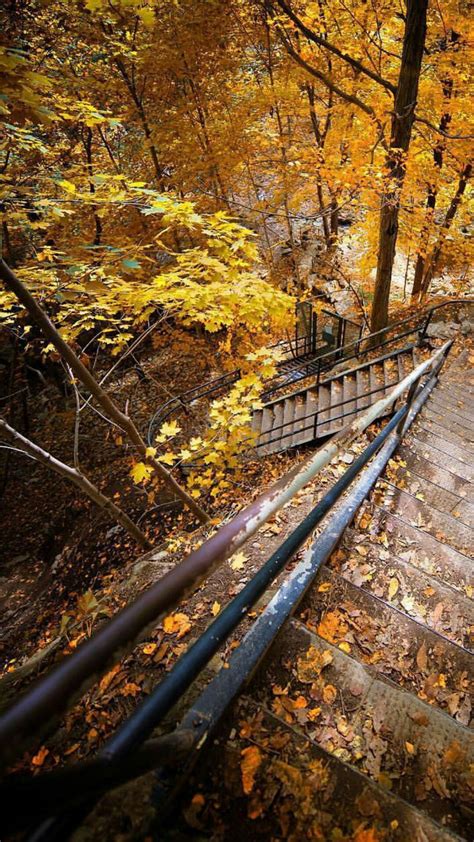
[
  {"x": 356, "y": 729},
  {"x": 317, "y": 411}
]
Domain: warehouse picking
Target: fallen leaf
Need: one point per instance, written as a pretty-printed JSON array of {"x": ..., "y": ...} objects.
[
  {"x": 238, "y": 561},
  {"x": 422, "y": 657},
  {"x": 177, "y": 623},
  {"x": 251, "y": 760},
  {"x": 393, "y": 587},
  {"x": 40, "y": 757},
  {"x": 329, "y": 694},
  {"x": 216, "y": 607}
]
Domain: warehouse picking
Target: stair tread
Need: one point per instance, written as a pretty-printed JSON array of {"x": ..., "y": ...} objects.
[
  {"x": 423, "y": 467},
  {"x": 423, "y": 550},
  {"x": 341, "y": 796},
  {"x": 436, "y": 605},
  {"x": 368, "y": 624},
  {"x": 443, "y": 452},
  {"x": 369, "y": 721}
]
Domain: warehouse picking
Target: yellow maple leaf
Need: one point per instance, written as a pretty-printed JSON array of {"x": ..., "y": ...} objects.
[
  {"x": 238, "y": 561},
  {"x": 168, "y": 458},
  {"x": 141, "y": 472},
  {"x": 177, "y": 624},
  {"x": 168, "y": 430},
  {"x": 393, "y": 587}
]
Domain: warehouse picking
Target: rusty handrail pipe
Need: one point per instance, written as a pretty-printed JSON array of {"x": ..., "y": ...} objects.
[{"x": 41, "y": 706}]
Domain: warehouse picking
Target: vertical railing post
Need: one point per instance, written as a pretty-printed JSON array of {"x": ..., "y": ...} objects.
[
  {"x": 314, "y": 334},
  {"x": 424, "y": 329},
  {"x": 340, "y": 336}
]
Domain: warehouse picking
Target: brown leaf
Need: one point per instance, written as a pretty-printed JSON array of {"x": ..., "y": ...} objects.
[
  {"x": 422, "y": 657},
  {"x": 251, "y": 761}
]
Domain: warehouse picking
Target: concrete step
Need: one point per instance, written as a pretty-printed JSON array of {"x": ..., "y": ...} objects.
[
  {"x": 408, "y": 588},
  {"x": 299, "y": 791},
  {"x": 349, "y": 391},
  {"x": 421, "y": 467},
  {"x": 440, "y": 525},
  {"x": 390, "y": 735},
  {"x": 422, "y": 549},
  {"x": 437, "y": 497},
  {"x": 386, "y": 637},
  {"x": 445, "y": 433},
  {"x": 336, "y": 411},
  {"x": 362, "y": 381},
  {"x": 442, "y": 452},
  {"x": 462, "y": 427},
  {"x": 376, "y": 380},
  {"x": 324, "y": 397},
  {"x": 303, "y": 426},
  {"x": 441, "y": 405}
]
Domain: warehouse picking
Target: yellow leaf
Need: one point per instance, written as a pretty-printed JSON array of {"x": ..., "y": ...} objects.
[
  {"x": 168, "y": 458},
  {"x": 141, "y": 472},
  {"x": 325, "y": 587},
  {"x": 393, "y": 587},
  {"x": 177, "y": 624},
  {"x": 216, "y": 607},
  {"x": 410, "y": 748},
  {"x": 238, "y": 561},
  {"x": 345, "y": 647},
  {"x": 148, "y": 16},
  {"x": 68, "y": 185},
  {"x": 168, "y": 430},
  {"x": 150, "y": 451},
  {"x": 149, "y": 648}
]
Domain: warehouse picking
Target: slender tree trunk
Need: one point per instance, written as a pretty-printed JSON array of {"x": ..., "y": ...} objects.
[
  {"x": 319, "y": 143},
  {"x": 402, "y": 122},
  {"x": 87, "y": 140},
  {"x": 438, "y": 154},
  {"x": 84, "y": 376},
  {"x": 433, "y": 260},
  {"x": 75, "y": 476}
]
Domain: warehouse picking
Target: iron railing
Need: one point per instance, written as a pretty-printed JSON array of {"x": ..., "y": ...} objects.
[
  {"x": 26, "y": 721},
  {"x": 293, "y": 353},
  {"x": 313, "y": 420},
  {"x": 312, "y": 363}
]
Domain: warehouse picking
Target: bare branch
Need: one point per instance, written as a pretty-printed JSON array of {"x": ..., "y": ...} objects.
[
  {"x": 73, "y": 475},
  {"x": 322, "y": 42}
]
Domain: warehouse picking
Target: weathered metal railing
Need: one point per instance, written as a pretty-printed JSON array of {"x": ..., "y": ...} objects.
[
  {"x": 311, "y": 363},
  {"x": 293, "y": 354},
  {"x": 53, "y": 692},
  {"x": 415, "y": 325},
  {"x": 312, "y": 420}
]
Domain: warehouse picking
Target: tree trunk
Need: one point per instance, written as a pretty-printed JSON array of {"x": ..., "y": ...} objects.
[
  {"x": 320, "y": 145},
  {"x": 432, "y": 263},
  {"x": 438, "y": 155},
  {"x": 75, "y": 476},
  {"x": 83, "y": 374},
  {"x": 402, "y": 122}
]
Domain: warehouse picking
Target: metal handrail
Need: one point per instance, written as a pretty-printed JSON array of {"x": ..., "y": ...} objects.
[
  {"x": 166, "y": 694},
  {"x": 325, "y": 361},
  {"x": 210, "y": 387},
  {"x": 39, "y": 707},
  {"x": 315, "y": 366}
]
